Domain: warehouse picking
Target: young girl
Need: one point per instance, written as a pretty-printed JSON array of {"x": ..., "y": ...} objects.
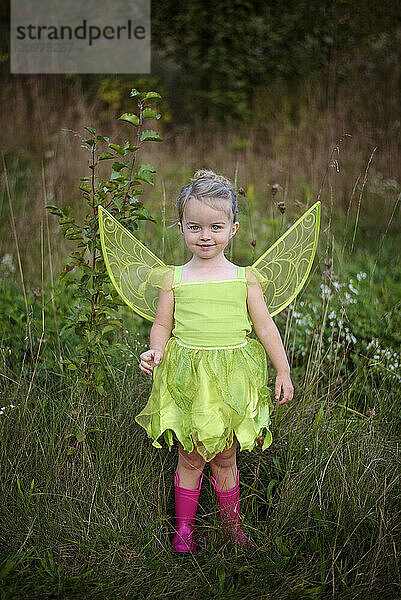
[{"x": 209, "y": 377}]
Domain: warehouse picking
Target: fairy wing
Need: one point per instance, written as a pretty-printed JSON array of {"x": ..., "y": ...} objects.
[
  {"x": 136, "y": 273},
  {"x": 283, "y": 269}
]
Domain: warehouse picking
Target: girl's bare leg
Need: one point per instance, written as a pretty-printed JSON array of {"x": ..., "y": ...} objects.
[
  {"x": 224, "y": 468},
  {"x": 189, "y": 468}
]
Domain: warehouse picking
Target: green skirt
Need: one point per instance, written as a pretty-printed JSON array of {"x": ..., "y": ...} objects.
[{"x": 205, "y": 396}]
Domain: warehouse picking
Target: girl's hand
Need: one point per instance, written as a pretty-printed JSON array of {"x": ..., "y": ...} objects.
[
  {"x": 149, "y": 360},
  {"x": 284, "y": 383}
]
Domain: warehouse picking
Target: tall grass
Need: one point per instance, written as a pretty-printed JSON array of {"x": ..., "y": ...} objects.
[{"x": 87, "y": 503}]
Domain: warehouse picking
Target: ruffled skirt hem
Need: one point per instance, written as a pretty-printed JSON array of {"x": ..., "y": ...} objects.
[
  {"x": 204, "y": 397},
  {"x": 189, "y": 444}
]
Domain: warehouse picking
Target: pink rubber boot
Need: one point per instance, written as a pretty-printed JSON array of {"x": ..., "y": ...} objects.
[
  {"x": 229, "y": 506},
  {"x": 186, "y": 504}
]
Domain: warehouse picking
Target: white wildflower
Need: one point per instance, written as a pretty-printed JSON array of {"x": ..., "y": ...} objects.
[
  {"x": 350, "y": 337},
  {"x": 349, "y": 299},
  {"x": 373, "y": 342},
  {"x": 326, "y": 291},
  {"x": 7, "y": 263}
]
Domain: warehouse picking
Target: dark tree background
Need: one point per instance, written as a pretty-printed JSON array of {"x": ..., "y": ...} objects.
[
  {"x": 213, "y": 58},
  {"x": 226, "y": 51}
]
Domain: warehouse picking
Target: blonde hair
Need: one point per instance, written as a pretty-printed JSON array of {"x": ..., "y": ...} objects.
[{"x": 208, "y": 186}]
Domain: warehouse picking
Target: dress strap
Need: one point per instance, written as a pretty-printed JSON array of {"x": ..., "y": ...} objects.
[
  {"x": 241, "y": 273},
  {"x": 177, "y": 274}
]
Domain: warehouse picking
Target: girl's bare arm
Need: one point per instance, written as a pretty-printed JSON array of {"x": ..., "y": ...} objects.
[
  {"x": 164, "y": 321},
  {"x": 270, "y": 338},
  {"x": 160, "y": 332}
]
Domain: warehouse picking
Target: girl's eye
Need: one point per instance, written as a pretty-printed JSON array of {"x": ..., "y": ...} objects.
[{"x": 196, "y": 227}]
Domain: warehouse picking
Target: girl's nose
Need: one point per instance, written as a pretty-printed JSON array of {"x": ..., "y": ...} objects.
[{"x": 205, "y": 235}]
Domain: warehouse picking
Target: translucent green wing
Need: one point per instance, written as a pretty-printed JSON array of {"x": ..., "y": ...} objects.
[
  {"x": 131, "y": 266},
  {"x": 283, "y": 269}
]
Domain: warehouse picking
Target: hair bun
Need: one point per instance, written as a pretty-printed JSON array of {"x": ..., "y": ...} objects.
[
  {"x": 207, "y": 186},
  {"x": 210, "y": 175}
]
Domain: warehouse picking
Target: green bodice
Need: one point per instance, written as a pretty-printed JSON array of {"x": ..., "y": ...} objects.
[{"x": 211, "y": 314}]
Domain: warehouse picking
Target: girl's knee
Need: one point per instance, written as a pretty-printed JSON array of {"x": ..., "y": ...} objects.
[
  {"x": 226, "y": 458},
  {"x": 190, "y": 460}
]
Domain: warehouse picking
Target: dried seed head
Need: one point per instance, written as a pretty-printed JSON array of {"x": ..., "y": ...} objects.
[
  {"x": 329, "y": 274},
  {"x": 241, "y": 191},
  {"x": 253, "y": 243},
  {"x": 275, "y": 189},
  {"x": 281, "y": 207}
]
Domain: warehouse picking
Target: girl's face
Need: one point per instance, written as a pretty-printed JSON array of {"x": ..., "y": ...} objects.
[{"x": 206, "y": 230}]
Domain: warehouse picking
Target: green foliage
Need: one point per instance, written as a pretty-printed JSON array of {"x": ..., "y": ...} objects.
[
  {"x": 18, "y": 329},
  {"x": 354, "y": 323},
  {"x": 95, "y": 316}
]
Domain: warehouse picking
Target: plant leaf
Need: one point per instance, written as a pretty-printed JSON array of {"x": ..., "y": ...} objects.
[
  {"x": 117, "y": 148},
  {"x": 150, "y": 95},
  {"x": 130, "y": 118},
  {"x": 149, "y": 113},
  {"x": 149, "y": 135}
]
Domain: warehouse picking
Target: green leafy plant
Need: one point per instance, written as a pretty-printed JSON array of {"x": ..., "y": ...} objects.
[{"x": 95, "y": 314}]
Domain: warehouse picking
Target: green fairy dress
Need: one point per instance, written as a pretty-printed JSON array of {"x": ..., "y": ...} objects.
[{"x": 212, "y": 380}]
